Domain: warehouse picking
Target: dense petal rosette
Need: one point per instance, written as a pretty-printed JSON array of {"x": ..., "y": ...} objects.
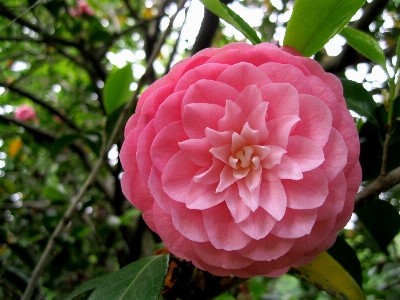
[{"x": 244, "y": 159}]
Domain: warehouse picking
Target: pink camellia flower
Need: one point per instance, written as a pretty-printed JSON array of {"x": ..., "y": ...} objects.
[
  {"x": 243, "y": 159},
  {"x": 25, "y": 113},
  {"x": 82, "y": 9}
]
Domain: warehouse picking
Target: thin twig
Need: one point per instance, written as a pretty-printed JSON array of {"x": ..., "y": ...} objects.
[
  {"x": 173, "y": 52},
  {"x": 45, "y": 257}
]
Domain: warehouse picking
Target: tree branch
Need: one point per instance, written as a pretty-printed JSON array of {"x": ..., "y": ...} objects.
[
  {"x": 372, "y": 190},
  {"x": 45, "y": 257},
  {"x": 51, "y": 137},
  {"x": 42, "y": 103}
]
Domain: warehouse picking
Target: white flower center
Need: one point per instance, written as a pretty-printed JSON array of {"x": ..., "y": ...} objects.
[{"x": 244, "y": 158}]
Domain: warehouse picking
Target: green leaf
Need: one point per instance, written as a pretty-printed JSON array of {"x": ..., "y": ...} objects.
[
  {"x": 346, "y": 256},
  {"x": 329, "y": 275},
  {"x": 62, "y": 142},
  {"x": 365, "y": 44},
  {"x": 142, "y": 279},
  {"x": 116, "y": 88},
  {"x": 228, "y": 15},
  {"x": 381, "y": 220},
  {"x": 314, "y": 22},
  {"x": 225, "y": 296},
  {"x": 359, "y": 100}
]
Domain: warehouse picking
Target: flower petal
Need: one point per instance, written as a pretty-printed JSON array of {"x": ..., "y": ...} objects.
[
  {"x": 273, "y": 198},
  {"x": 285, "y": 73},
  {"x": 209, "y": 91},
  {"x": 287, "y": 169},
  {"x": 280, "y": 129},
  {"x": 242, "y": 75},
  {"x": 221, "y": 258},
  {"x": 233, "y": 119},
  {"x": 316, "y": 120},
  {"x": 309, "y": 192},
  {"x": 305, "y": 152},
  {"x": 258, "y": 224},
  {"x": 249, "y": 99},
  {"x": 223, "y": 232},
  {"x": 166, "y": 144},
  {"x": 269, "y": 248},
  {"x": 197, "y": 150},
  {"x": 296, "y": 223},
  {"x": 202, "y": 196},
  {"x": 143, "y": 150},
  {"x": 207, "y": 71},
  {"x": 198, "y": 116},
  {"x": 189, "y": 222},
  {"x": 169, "y": 111},
  {"x": 176, "y": 183},
  {"x": 334, "y": 203},
  {"x": 237, "y": 208},
  {"x": 250, "y": 198}
]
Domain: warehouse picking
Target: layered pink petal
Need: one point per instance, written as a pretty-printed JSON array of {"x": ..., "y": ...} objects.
[
  {"x": 307, "y": 193},
  {"x": 143, "y": 149},
  {"x": 176, "y": 183},
  {"x": 284, "y": 73},
  {"x": 211, "y": 92},
  {"x": 243, "y": 74},
  {"x": 305, "y": 152},
  {"x": 233, "y": 119},
  {"x": 198, "y": 116},
  {"x": 221, "y": 258},
  {"x": 316, "y": 120},
  {"x": 197, "y": 150},
  {"x": 335, "y": 152},
  {"x": 169, "y": 111},
  {"x": 166, "y": 144},
  {"x": 208, "y": 71},
  {"x": 269, "y": 248},
  {"x": 295, "y": 223},
  {"x": 282, "y": 99},
  {"x": 258, "y": 224},
  {"x": 249, "y": 99},
  {"x": 273, "y": 199},
  {"x": 280, "y": 129},
  {"x": 334, "y": 203},
  {"x": 189, "y": 222},
  {"x": 239, "y": 211},
  {"x": 217, "y": 229}
]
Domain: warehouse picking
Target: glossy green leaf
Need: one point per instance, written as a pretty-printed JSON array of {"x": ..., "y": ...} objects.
[
  {"x": 142, "y": 279},
  {"x": 381, "y": 220},
  {"x": 228, "y": 15},
  {"x": 346, "y": 256},
  {"x": 359, "y": 100},
  {"x": 116, "y": 89},
  {"x": 365, "y": 44},
  {"x": 314, "y": 22},
  {"x": 329, "y": 275},
  {"x": 62, "y": 142}
]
